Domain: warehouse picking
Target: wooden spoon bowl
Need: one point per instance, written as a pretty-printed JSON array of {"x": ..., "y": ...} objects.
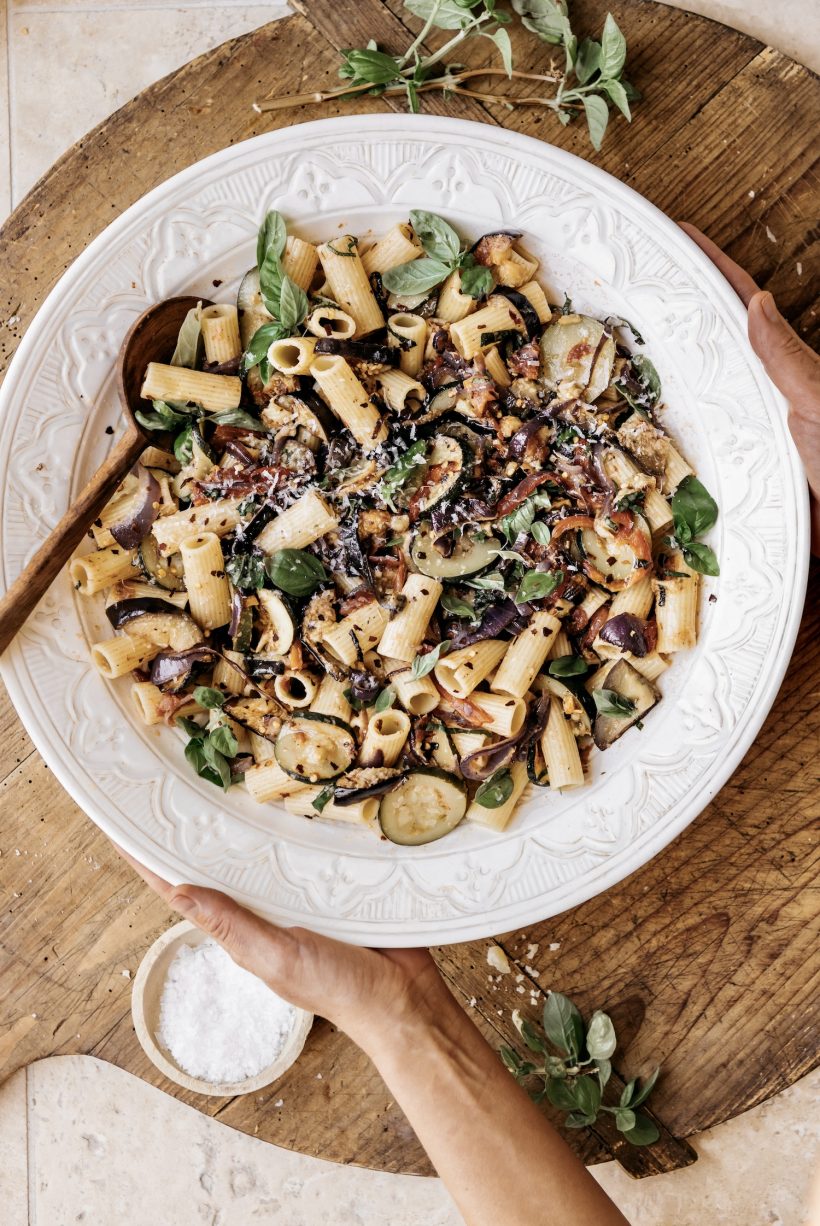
[{"x": 152, "y": 338}]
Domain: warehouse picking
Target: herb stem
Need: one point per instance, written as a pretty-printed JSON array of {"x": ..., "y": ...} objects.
[{"x": 425, "y": 30}]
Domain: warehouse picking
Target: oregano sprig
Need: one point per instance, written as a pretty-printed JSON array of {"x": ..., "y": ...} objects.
[{"x": 588, "y": 83}]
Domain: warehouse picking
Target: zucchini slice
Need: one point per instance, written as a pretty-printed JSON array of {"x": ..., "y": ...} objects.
[
  {"x": 537, "y": 772},
  {"x": 446, "y": 466},
  {"x": 444, "y": 753},
  {"x": 315, "y": 748},
  {"x": 577, "y": 354},
  {"x": 610, "y": 558},
  {"x": 425, "y": 806},
  {"x": 167, "y": 572},
  {"x": 468, "y": 556}
]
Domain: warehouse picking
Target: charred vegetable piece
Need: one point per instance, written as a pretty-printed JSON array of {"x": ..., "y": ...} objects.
[
  {"x": 536, "y": 766},
  {"x": 467, "y": 557},
  {"x": 259, "y": 715},
  {"x": 577, "y": 355},
  {"x": 363, "y": 351},
  {"x": 524, "y": 307},
  {"x": 167, "y": 572},
  {"x": 364, "y": 782},
  {"x": 446, "y": 463},
  {"x": 157, "y": 620},
  {"x": 617, "y": 558},
  {"x": 315, "y": 748},
  {"x": 143, "y": 510},
  {"x": 425, "y": 806},
  {"x": 623, "y": 698}
]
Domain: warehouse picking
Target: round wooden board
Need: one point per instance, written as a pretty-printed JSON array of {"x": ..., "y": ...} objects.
[{"x": 706, "y": 956}]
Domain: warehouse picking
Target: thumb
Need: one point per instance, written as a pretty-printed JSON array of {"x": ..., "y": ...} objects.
[
  {"x": 790, "y": 364},
  {"x": 254, "y": 944}
]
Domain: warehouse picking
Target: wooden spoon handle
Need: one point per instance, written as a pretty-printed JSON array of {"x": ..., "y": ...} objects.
[{"x": 21, "y": 598}]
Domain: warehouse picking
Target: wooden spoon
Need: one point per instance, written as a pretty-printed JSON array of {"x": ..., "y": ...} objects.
[{"x": 151, "y": 339}]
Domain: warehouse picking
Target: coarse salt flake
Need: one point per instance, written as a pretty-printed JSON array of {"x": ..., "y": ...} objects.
[{"x": 219, "y": 1022}]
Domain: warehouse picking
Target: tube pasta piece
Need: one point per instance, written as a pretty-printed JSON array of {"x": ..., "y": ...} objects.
[
  {"x": 329, "y": 699},
  {"x": 328, "y": 321},
  {"x": 525, "y": 655},
  {"x": 295, "y": 688},
  {"x": 212, "y": 392},
  {"x": 349, "y": 284},
  {"x": 209, "y": 592},
  {"x": 676, "y": 607},
  {"x": 461, "y": 671},
  {"x": 636, "y": 599},
  {"x": 227, "y": 677},
  {"x": 452, "y": 304},
  {"x": 560, "y": 646},
  {"x": 676, "y": 469},
  {"x": 398, "y": 246},
  {"x": 401, "y": 393},
  {"x": 537, "y": 299},
  {"x": 384, "y": 740},
  {"x": 95, "y": 571},
  {"x": 412, "y": 331},
  {"x": 301, "y": 524},
  {"x": 595, "y": 598},
  {"x": 417, "y": 695},
  {"x": 560, "y": 750},
  {"x": 218, "y": 517},
  {"x": 506, "y": 712},
  {"x": 498, "y": 819},
  {"x": 365, "y": 813},
  {"x": 267, "y": 781},
  {"x": 496, "y": 367},
  {"x": 293, "y": 355},
  {"x": 147, "y": 698},
  {"x": 404, "y": 632},
  {"x": 349, "y": 400},
  {"x": 300, "y": 261},
  {"x": 359, "y": 631},
  {"x": 515, "y": 270},
  {"x": 220, "y": 332},
  {"x": 498, "y": 315},
  {"x": 630, "y": 479},
  {"x": 118, "y": 656},
  {"x": 126, "y": 499}
]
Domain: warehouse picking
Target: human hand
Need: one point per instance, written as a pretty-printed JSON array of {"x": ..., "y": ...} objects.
[
  {"x": 356, "y": 989},
  {"x": 793, "y": 368}
]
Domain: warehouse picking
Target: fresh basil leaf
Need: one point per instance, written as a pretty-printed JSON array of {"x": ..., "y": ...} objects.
[
  {"x": 195, "y": 756},
  {"x": 476, "y": 280},
  {"x": 395, "y": 477},
  {"x": 217, "y": 761},
  {"x": 323, "y": 798},
  {"x": 618, "y": 321},
  {"x": 648, "y": 378},
  {"x": 588, "y": 59},
  {"x": 531, "y": 1037},
  {"x": 627, "y": 1092},
  {"x": 415, "y": 277},
  {"x": 293, "y": 305},
  {"x": 693, "y": 507},
  {"x": 568, "y": 666},
  {"x": 246, "y": 571},
  {"x": 597, "y": 113},
  {"x": 502, "y": 41},
  {"x": 184, "y": 445},
  {"x": 385, "y": 699},
  {"x": 561, "y": 1093},
  {"x": 235, "y": 417},
  {"x": 163, "y": 417},
  {"x": 224, "y": 741},
  {"x": 645, "y": 1131},
  {"x": 541, "y": 532},
  {"x": 510, "y": 1059},
  {"x": 537, "y": 584},
  {"x": 508, "y": 555},
  {"x": 588, "y": 1095},
  {"x": 295, "y": 571},
  {"x": 578, "y": 1119},
  {"x": 618, "y": 95},
  {"x": 260, "y": 343},
  {"x": 495, "y": 791},
  {"x": 190, "y": 726},
  {"x": 457, "y": 607},
  {"x": 563, "y": 1025},
  {"x": 436, "y": 236},
  {"x": 701, "y": 558},
  {"x": 271, "y": 238},
  {"x": 422, "y": 665},
  {"x": 600, "y": 1041},
  {"x": 492, "y": 582},
  {"x": 608, "y": 702},
  {"x": 208, "y": 697},
  {"x": 189, "y": 340},
  {"x": 613, "y": 49},
  {"x": 518, "y": 521},
  {"x": 546, "y": 18}
]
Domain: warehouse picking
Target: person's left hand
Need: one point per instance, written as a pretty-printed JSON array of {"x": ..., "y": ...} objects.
[{"x": 356, "y": 989}]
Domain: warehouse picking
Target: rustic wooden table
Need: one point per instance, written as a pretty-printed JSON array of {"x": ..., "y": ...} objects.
[{"x": 706, "y": 957}]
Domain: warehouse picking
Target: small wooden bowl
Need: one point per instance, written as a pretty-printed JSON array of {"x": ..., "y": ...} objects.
[{"x": 145, "y": 1001}]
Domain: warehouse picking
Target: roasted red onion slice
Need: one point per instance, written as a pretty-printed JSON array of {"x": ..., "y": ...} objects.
[
  {"x": 177, "y": 665},
  {"x": 142, "y": 512}
]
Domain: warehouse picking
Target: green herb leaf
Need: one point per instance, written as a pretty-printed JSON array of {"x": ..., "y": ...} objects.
[
  {"x": 604, "y": 1068},
  {"x": 502, "y": 41},
  {"x": 457, "y": 607},
  {"x": 701, "y": 558},
  {"x": 510, "y": 1059},
  {"x": 601, "y": 1041},
  {"x": 271, "y": 238},
  {"x": 415, "y": 277},
  {"x": 495, "y": 791},
  {"x": 541, "y": 532},
  {"x": 422, "y": 665},
  {"x": 618, "y": 321},
  {"x": 597, "y": 113},
  {"x": 163, "y": 417},
  {"x": 260, "y": 343},
  {"x": 563, "y": 1025},
  {"x": 236, "y": 417},
  {"x": 492, "y": 582},
  {"x": 293, "y": 305},
  {"x": 476, "y": 280},
  {"x": 561, "y": 1093},
  {"x": 531, "y": 1037},
  {"x": 385, "y": 699},
  {"x": 537, "y": 584},
  {"x": 588, "y": 1095},
  {"x": 645, "y": 1131},
  {"x": 436, "y": 236},
  {"x": 323, "y": 798},
  {"x": 195, "y": 756},
  {"x": 223, "y": 741},
  {"x": 208, "y": 697},
  {"x": 618, "y": 95},
  {"x": 246, "y": 571},
  {"x": 645, "y": 1090},
  {"x": 295, "y": 571},
  {"x": 613, "y": 49},
  {"x": 184, "y": 445},
  {"x": 693, "y": 508},
  {"x": 627, "y": 1092},
  {"x": 568, "y": 666},
  {"x": 395, "y": 477},
  {"x": 546, "y": 18},
  {"x": 649, "y": 384},
  {"x": 445, "y": 14},
  {"x": 189, "y": 340},
  {"x": 588, "y": 59},
  {"x": 190, "y": 726},
  {"x": 608, "y": 702},
  {"x": 368, "y": 64},
  {"x": 624, "y": 1119}
]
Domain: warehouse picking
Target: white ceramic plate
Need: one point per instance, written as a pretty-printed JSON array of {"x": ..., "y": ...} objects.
[{"x": 614, "y": 253}]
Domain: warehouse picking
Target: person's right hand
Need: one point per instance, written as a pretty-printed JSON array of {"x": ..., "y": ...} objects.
[{"x": 793, "y": 368}]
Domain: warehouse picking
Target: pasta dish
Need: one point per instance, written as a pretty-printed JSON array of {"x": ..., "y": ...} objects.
[{"x": 408, "y": 538}]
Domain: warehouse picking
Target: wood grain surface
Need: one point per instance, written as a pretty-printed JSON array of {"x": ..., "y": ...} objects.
[{"x": 707, "y": 956}]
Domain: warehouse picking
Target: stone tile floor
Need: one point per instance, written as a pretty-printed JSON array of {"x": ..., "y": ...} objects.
[{"x": 69, "y": 1127}]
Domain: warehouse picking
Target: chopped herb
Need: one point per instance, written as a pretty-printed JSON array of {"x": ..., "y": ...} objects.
[
  {"x": 422, "y": 665},
  {"x": 496, "y": 790},
  {"x": 295, "y": 571},
  {"x": 608, "y": 702}
]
